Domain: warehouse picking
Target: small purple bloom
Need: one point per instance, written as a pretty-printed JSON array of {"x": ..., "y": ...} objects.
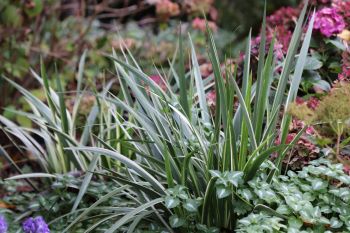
[
  {"x": 3, "y": 224},
  {"x": 329, "y": 21},
  {"x": 35, "y": 225}
]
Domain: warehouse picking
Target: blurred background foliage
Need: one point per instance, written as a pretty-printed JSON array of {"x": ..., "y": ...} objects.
[
  {"x": 59, "y": 31},
  {"x": 244, "y": 14}
]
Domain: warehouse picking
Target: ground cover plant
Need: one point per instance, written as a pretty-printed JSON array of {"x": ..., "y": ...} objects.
[{"x": 180, "y": 151}]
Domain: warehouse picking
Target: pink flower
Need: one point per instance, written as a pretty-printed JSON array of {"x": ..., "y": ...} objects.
[
  {"x": 159, "y": 81},
  {"x": 299, "y": 100},
  {"x": 211, "y": 101},
  {"x": 200, "y": 24},
  {"x": 329, "y": 21},
  {"x": 310, "y": 130},
  {"x": 211, "y": 98},
  {"x": 313, "y": 103}
]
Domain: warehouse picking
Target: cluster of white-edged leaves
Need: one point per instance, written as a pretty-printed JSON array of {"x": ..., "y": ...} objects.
[
  {"x": 315, "y": 199},
  {"x": 184, "y": 164}
]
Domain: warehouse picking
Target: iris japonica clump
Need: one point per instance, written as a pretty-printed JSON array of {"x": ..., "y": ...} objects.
[
  {"x": 329, "y": 21},
  {"x": 3, "y": 224},
  {"x": 35, "y": 225}
]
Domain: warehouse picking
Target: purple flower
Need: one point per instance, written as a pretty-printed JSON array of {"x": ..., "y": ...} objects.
[
  {"x": 35, "y": 225},
  {"x": 3, "y": 224},
  {"x": 329, "y": 21}
]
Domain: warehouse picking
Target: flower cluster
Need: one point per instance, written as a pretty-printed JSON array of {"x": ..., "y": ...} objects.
[
  {"x": 3, "y": 224},
  {"x": 35, "y": 225},
  {"x": 329, "y": 22},
  {"x": 332, "y": 19},
  {"x": 311, "y": 103}
]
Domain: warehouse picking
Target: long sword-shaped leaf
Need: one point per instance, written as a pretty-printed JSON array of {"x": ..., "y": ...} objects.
[
  {"x": 245, "y": 114},
  {"x": 182, "y": 78},
  {"x": 128, "y": 162},
  {"x": 199, "y": 86},
  {"x": 130, "y": 216}
]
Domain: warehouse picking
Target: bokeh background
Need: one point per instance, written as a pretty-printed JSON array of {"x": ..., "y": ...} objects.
[{"x": 59, "y": 32}]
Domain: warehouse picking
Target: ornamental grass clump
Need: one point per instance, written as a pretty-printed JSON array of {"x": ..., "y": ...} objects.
[{"x": 185, "y": 162}]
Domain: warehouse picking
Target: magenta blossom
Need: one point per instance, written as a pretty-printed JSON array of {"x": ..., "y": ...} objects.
[{"x": 329, "y": 21}]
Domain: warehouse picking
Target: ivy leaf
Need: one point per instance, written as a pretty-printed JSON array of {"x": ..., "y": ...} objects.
[
  {"x": 344, "y": 179},
  {"x": 283, "y": 209},
  {"x": 241, "y": 208},
  {"x": 312, "y": 63},
  {"x": 222, "y": 191},
  {"x": 171, "y": 202},
  {"x": 235, "y": 178},
  {"x": 295, "y": 223},
  {"x": 176, "y": 222},
  {"x": 215, "y": 173},
  {"x": 318, "y": 184},
  {"x": 246, "y": 194},
  {"x": 335, "y": 223},
  {"x": 178, "y": 191},
  {"x": 192, "y": 205}
]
